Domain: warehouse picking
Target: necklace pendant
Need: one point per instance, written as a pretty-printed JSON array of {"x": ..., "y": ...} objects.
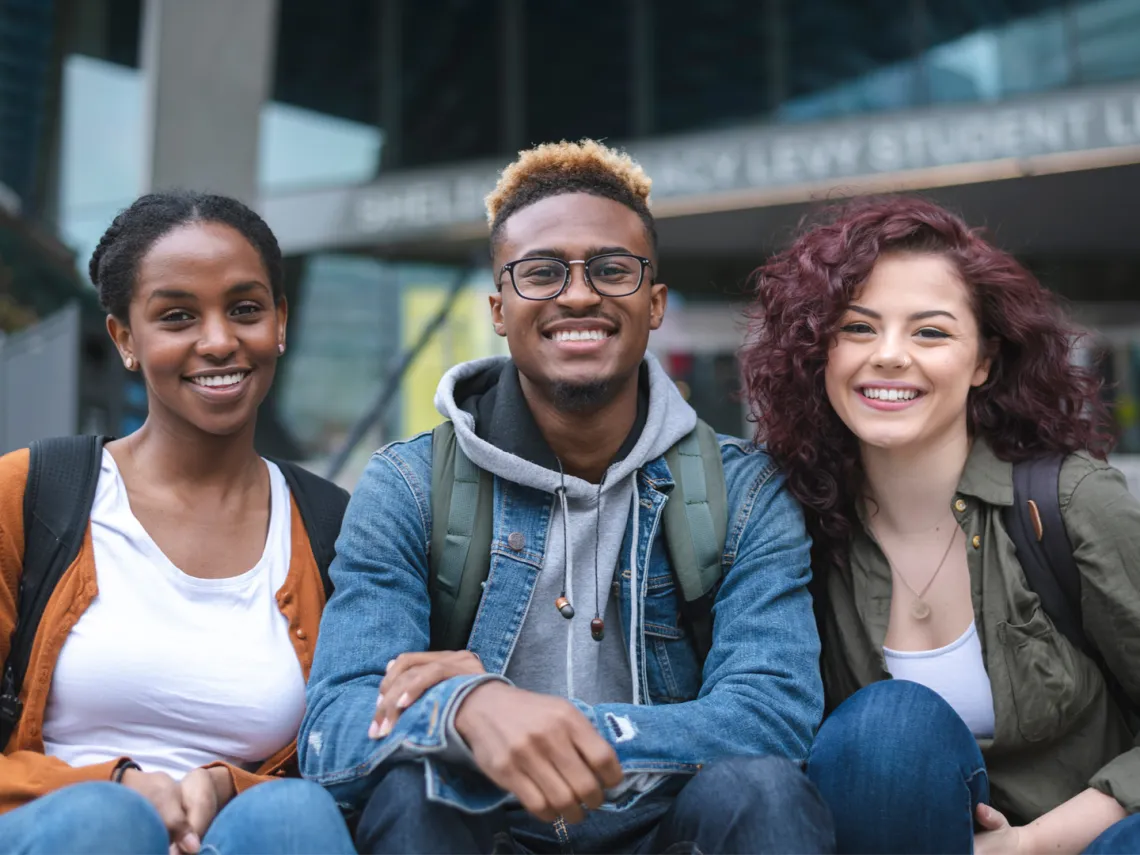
[{"x": 920, "y": 609}]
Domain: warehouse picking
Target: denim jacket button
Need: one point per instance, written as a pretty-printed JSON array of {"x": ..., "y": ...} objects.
[{"x": 516, "y": 541}]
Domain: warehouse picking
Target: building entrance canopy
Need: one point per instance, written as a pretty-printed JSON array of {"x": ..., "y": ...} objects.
[{"x": 757, "y": 166}]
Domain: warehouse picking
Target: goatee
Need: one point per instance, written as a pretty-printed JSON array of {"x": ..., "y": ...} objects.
[{"x": 576, "y": 397}]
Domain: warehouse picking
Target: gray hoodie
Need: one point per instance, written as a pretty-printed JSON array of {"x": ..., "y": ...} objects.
[{"x": 496, "y": 430}]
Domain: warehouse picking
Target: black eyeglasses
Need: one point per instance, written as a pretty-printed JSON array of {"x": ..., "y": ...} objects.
[{"x": 615, "y": 274}]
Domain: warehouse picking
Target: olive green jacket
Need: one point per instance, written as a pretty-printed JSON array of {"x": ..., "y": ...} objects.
[{"x": 1056, "y": 730}]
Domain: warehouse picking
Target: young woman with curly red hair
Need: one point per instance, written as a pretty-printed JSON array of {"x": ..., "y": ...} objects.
[{"x": 898, "y": 366}]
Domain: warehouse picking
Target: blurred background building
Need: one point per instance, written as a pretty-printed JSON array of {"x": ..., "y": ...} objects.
[{"x": 368, "y": 131}]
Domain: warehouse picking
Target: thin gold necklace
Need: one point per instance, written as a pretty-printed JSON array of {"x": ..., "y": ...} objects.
[{"x": 920, "y": 609}]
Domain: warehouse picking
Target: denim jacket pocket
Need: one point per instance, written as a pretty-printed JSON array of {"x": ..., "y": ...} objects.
[
  {"x": 1050, "y": 685},
  {"x": 673, "y": 673}
]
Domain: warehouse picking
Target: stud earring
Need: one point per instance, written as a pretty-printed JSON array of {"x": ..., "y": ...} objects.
[
  {"x": 130, "y": 363},
  {"x": 281, "y": 349}
]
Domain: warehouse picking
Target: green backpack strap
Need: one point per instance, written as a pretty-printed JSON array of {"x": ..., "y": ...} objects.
[
  {"x": 696, "y": 527},
  {"x": 462, "y": 501}
]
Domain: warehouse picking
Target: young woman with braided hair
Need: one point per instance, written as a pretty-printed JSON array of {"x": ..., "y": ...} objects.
[{"x": 166, "y": 682}]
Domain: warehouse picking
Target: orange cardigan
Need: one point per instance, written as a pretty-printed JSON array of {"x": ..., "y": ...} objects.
[{"x": 25, "y": 771}]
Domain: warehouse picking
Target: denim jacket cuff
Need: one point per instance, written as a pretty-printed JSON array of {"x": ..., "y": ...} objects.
[
  {"x": 456, "y": 750},
  {"x": 633, "y": 784},
  {"x": 348, "y": 765},
  {"x": 451, "y": 774},
  {"x": 428, "y": 723}
]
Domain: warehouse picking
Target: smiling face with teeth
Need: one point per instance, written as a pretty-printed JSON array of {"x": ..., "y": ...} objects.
[
  {"x": 580, "y": 349},
  {"x": 204, "y": 328},
  {"x": 906, "y": 354}
]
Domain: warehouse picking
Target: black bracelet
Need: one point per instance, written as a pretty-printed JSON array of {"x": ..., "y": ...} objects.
[{"x": 124, "y": 765}]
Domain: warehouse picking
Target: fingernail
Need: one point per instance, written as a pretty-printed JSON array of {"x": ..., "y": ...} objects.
[
  {"x": 391, "y": 662},
  {"x": 385, "y": 727},
  {"x": 374, "y": 730},
  {"x": 190, "y": 842},
  {"x": 379, "y": 699},
  {"x": 403, "y": 701}
]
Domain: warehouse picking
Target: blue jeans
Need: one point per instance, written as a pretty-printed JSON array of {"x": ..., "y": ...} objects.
[
  {"x": 755, "y": 804},
  {"x": 1118, "y": 839},
  {"x": 900, "y": 771},
  {"x": 286, "y": 816}
]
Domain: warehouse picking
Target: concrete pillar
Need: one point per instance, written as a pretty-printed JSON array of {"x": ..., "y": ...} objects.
[{"x": 208, "y": 67}]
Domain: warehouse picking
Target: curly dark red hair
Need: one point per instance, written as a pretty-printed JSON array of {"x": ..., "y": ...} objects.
[{"x": 1035, "y": 400}]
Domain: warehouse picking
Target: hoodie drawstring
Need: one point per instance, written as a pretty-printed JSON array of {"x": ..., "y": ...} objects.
[
  {"x": 634, "y": 598},
  {"x": 564, "y": 603},
  {"x": 597, "y": 625}
]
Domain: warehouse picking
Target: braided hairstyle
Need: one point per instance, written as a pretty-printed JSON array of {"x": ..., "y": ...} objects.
[
  {"x": 137, "y": 228},
  {"x": 552, "y": 169}
]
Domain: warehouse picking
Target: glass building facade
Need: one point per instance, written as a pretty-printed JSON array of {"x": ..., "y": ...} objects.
[
  {"x": 378, "y": 114},
  {"x": 455, "y": 80}
]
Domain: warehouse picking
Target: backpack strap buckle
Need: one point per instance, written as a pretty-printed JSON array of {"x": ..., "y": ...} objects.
[{"x": 11, "y": 707}]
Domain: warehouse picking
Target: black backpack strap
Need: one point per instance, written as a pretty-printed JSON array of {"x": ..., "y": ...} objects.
[
  {"x": 1045, "y": 554},
  {"x": 62, "y": 476},
  {"x": 1043, "y": 548},
  {"x": 321, "y": 504}
]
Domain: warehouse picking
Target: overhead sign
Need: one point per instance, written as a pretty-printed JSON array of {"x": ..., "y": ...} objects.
[
  {"x": 739, "y": 165},
  {"x": 789, "y": 155}
]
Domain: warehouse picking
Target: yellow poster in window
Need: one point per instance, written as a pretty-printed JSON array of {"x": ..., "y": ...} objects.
[{"x": 467, "y": 334}]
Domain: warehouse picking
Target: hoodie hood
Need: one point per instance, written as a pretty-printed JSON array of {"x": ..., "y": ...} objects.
[
  {"x": 557, "y": 652},
  {"x": 497, "y": 432}
]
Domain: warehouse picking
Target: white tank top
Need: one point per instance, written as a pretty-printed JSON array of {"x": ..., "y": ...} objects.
[
  {"x": 172, "y": 670},
  {"x": 957, "y": 673}
]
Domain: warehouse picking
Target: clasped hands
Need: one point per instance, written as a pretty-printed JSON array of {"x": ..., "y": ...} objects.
[{"x": 187, "y": 807}]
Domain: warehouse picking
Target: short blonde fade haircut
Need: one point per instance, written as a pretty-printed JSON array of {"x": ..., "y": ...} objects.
[{"x": 552, "y": 169}]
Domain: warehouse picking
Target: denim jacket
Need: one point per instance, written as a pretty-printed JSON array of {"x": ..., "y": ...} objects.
[{"x": 759, "y": 691}]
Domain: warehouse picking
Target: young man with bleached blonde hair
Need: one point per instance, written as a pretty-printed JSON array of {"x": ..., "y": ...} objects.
[{"x": 568, "y": 672}]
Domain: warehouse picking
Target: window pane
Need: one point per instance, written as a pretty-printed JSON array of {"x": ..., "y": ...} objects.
[
  {"x": 328, "y": 62},
  {"x": 710, "y": 63},
  {"x": 449, "y": 81},
  {"x": 945, "y": 22},
  {"x": 1108, "y": 39},
  {"x": 859, "y": 54},
  {"x": 1003, "y": 60},
  {"x": 321, "y": 127},
  {"x": 578, "y": 57}
]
